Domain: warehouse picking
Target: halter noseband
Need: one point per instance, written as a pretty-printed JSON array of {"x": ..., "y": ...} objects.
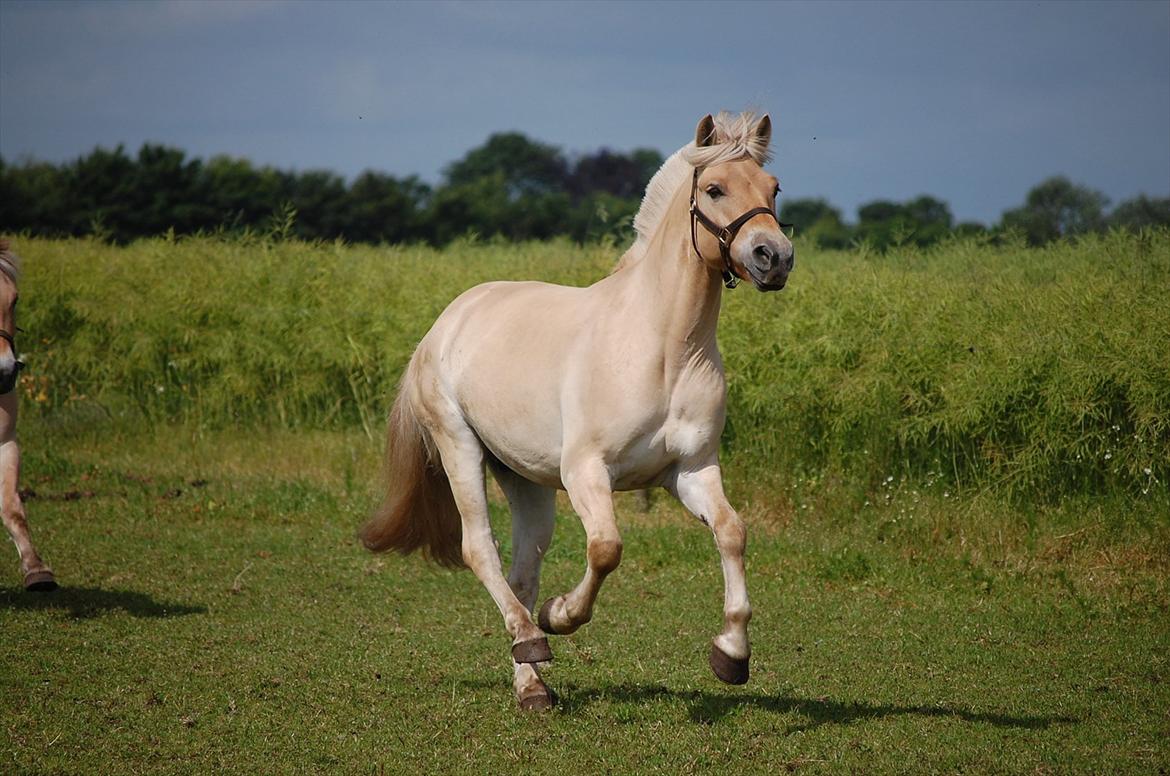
[
  {"x": 725, "y": 235},
  {"x": 8, "y": 337}
]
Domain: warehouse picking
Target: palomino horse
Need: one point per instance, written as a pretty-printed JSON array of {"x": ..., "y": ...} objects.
[
  {"x": 37, "y": 576},
  {"x": 618, "y": 386}
]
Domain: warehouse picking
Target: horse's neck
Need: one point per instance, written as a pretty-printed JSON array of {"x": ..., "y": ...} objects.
[{"x": 678, "y": 295}]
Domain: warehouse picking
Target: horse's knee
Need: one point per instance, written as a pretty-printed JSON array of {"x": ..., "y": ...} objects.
[
  {"x": 730, "y": 534},
  {"x": 604, "y": 555},
  {"x": 475, "y": 556}
]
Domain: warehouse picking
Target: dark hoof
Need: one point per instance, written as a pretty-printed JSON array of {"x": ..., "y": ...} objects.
[
  {"x": 540, "y": 699},
  {"x": 727, "y": 668},
  {"x": 40, "y": 581},
  {"x": 543, "y": 619},
  {"x": 532, "y": 651}
]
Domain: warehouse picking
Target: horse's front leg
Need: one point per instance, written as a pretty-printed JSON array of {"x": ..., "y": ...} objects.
[
  {"x": 37, "y": 576},
  {"x": 590, "y": 491},
  {"x": 701, "y": 492}
]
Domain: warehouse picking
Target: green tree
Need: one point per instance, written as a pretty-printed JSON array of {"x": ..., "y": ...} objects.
[
  {"x": 818, "y": 221},
  {"x": 239, "y": 194},
  {"x": 1058, "y": 208},
  {"x": 970, "y": 229},
  {"x": 102, "y": 187},
  {"x": 599, "y": 215},
  {"x": 622, "y": 175},
  {"x": 166, "y": 191},
  {"x": 319, "y": 197},
  {"x": 480, "y": 207},
  {"x": 381, "y": 208},
  {"x": 929, "y": 218},
  {"x": 922, "y": 221},
  {"x": 883, "y": 223},
  {"x": 525, "y": 166},
  {"x": 1141, "y": 212},
  {"x": 35, "y": 196}
]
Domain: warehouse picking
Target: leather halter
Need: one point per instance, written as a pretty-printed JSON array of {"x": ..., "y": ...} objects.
[
  {"x": 726, "y": 234},
  {"x": 7, "y": 336}
]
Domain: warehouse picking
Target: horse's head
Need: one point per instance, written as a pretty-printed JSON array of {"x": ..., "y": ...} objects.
[
  {"x": 10, "y": 364},
  {"x": 735, "y": 203}
]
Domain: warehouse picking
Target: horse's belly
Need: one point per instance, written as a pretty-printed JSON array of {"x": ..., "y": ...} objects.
[{"x": 534, "y": 454}]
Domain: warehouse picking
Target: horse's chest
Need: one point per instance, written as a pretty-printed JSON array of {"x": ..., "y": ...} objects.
[
  {"x": 686, "y": 427},
  {"x": 695, "y": 417}
]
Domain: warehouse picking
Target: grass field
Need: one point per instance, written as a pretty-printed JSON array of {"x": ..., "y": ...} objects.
[{"x": 911, "y": 615}]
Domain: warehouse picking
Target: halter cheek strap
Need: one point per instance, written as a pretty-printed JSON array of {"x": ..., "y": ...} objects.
[{"x": 724, "y": 234}]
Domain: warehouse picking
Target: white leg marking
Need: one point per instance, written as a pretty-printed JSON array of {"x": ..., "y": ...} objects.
[{"x": 701, "y": 492}]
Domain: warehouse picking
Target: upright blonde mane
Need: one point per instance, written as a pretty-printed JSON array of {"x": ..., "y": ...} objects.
[{"x": 735, "y": 138}]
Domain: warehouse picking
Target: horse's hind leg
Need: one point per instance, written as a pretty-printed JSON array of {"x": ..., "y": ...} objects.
[
  {"x": 37, "y": 576},
  {"x": 463, "y": 460},
  {"x": 533, "y": 516},
  {"x": 590, "y": 491},
  {"x": 701, "y": 492}
]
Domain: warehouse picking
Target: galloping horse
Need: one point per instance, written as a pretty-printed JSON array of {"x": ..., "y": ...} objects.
[
  {"x": 617, "y": 386},
  {"x": 37, "y": 576}
]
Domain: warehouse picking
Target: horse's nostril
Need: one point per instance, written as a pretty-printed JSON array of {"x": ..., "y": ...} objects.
[{"x": 763, "y": 253}]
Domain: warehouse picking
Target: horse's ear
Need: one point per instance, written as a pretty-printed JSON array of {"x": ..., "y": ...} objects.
[
  {"x": 705, "y": 132},
  {"x": 764, "y": 130}
]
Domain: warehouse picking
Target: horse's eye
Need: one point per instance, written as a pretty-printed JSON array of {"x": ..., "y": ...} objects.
[{"x": 714, "y": 192}]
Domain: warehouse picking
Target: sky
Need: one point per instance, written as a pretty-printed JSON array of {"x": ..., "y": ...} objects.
[{"x": 971, "y": 102}]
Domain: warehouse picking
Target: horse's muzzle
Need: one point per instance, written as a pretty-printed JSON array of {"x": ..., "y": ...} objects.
[
  {"x": 770, "y": 265},
  {"x": 8, "y": 377}
]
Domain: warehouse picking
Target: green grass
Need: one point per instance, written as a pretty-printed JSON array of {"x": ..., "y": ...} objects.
[
  {"x": 217, "y": 614},
  {"x": 953, "y": 464}
]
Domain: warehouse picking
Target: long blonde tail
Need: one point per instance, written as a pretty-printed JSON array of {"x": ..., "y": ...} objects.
[{"x": 418, "y": 511}]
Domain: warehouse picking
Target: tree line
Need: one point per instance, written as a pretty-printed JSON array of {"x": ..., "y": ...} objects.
[{"x": 511, "y": 186}]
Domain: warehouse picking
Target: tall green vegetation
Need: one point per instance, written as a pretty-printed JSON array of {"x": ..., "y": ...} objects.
[{"x": 974, "y": 365}]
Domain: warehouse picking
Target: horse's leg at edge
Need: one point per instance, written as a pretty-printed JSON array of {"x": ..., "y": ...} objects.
[
  {"x": 533, "y": 517},
  {"x": 463, "y": 460},
  {"x": 590, "y": 490},
  {"x": 37, "y": 576},
  {"x": 701, "y": 492}
]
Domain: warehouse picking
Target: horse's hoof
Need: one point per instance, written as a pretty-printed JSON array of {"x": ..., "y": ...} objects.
[
  {"x": 544, "y": 618},
  {"x": 728, "y": 669},
  {"x": 41, "y": 581},
  {"x": 537, "y": 699},
  {"x": 532, "y": 651}
]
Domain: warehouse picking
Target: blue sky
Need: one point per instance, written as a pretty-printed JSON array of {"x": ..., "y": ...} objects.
[{"x": 971, "y": 102}]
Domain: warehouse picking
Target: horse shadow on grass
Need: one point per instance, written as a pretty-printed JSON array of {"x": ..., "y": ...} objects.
[
  {"x": 708, "y": 708},
  {"x": 88, "y": 602}
]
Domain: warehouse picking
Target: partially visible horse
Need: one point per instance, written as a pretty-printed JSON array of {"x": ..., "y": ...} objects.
[
  {"x": 37, "y": 576},
  {"x": 617, "y": 386}
]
